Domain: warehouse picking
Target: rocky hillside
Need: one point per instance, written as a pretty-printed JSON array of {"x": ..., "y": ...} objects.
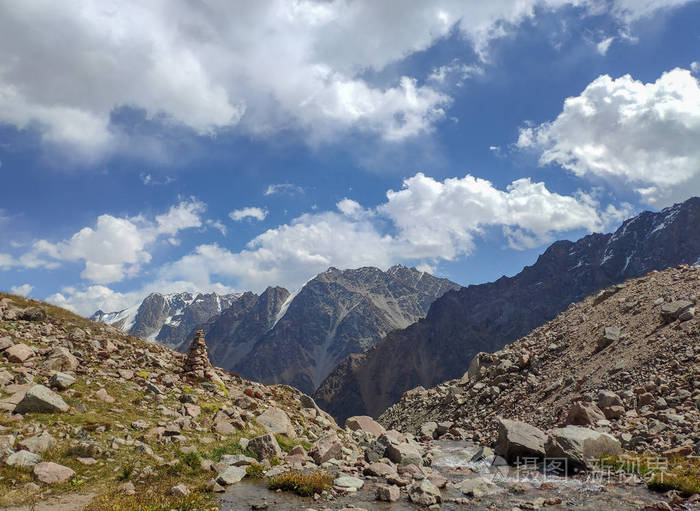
[
  {"x": 626, "y": 361},
  {"x": 488, "y": 316},
  {"x": 169, "y": 319},
  {"x": 84, "y": 405},
  {"x": 337, "y": 313}
]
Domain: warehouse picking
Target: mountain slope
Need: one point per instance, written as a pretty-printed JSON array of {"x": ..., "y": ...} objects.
[
  {"x": 651, "y": 369},
  {"x": 337, "y": 313},
  {"x": 486, "y": 317}
]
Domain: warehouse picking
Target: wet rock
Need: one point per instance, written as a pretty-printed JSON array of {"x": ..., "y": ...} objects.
[
  {"x": 52, "y": 473},
  {"x": 477, "y": 486},
  {"x": 326, "y": 448},
  {"x": 264, "y": 447},
  {"x": 40, "y": 399},
  {"x": 519, "y": 440},
  {"x": 424, "y": 493},
  {"x": 580, "y": 446}
]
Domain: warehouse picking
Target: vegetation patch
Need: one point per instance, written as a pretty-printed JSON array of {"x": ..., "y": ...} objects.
[
  {"x": 661, "y": 474},
  {"x": 287, "y": 444},
  {"x": 302, "y": 484}
]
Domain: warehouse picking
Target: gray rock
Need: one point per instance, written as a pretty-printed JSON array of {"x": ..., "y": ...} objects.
[
  {"x": 581, "y": 447},
  {"x": 52, "y": 473},
  {"x": 276, "y": 421},
  {"x": 236, "y": 460},
  {"x": 33, "y": 314},
  {"x": 364, "y": 423},
  {"x": 60, "y": 359},
  {"x": 38, "y": 443},
  {"x": 480, "y": 360},
  {"x": 61, "y": 380},
  {"x": 519, "y": 440},
  {"x": 19, "y": 353},
  {"x": 672, "y": 310},
  {"x": 404, "y": 454},
  {"x": 264, "y": 446},
  {"x": 326, "y": 448},
  {"x": 348, "y": 482},
  {"x": 231, "y": 475},
  {"x": 387, "y": 493},
  {"x": 424, "y": 493},
  {"x": 22, "y": 459},
  {"x": 608, "y": 398},
  {"x": 476, "y": 486},
  {"x": 40, "y": 399},
  {"x": 429, "y": 429},
  {"x": 584, "y": 414}
]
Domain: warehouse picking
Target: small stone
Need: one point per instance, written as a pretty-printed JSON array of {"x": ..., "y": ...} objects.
[
  {"x": 22, "y": 459},
  {"x": 354, "y": 483},
  {"x": 19, "y": 353},
  {"x": 231, "y": 475},
  {"x": 180, "y": 490},
  {"x": 40, "y": 399},
  {"x": 61, "y": 380},
  {"x": 424, "y": 493},
  {"x": 388, "y": 493},
  {"x": 102, "y": 395},
  {"x": 38, "y": 443}
]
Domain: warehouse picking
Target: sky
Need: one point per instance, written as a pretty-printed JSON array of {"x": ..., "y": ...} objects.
[{"x": 211, "y": 145}]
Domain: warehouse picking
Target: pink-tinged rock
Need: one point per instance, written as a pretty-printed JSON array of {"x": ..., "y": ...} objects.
[
  {"x": 52, "y": 473},
  {"x": 126, "y": 374},
  {"x": 19, "y": 353},
  {"x": 60, "y": 359},
  {"x": 327, "y": 448},
  {"x": 104, "y": 396},
  {"x": 366, "y": 424},
  {"x": 5, "y": 342},
  {"x": 192, "y": 410}
]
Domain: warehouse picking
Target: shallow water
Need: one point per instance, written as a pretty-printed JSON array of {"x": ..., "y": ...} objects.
[{"x": 451, "y": 459}]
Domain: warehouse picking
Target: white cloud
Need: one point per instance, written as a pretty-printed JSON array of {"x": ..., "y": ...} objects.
[
  {"x": 284, "y": 189},
  {"x": 695, "y": 67},
  {"x": 66, "y": 66},
  {"x": 249, "y": 212},
  {"x": 218, "y": 225},
  {"x": 424, "y": 222},
  {"x": 22, "y": 290},
  {"x": 115, "y": 248},
  {"x": 604, "y": 45},
  {"x": 639, "y": 135}
]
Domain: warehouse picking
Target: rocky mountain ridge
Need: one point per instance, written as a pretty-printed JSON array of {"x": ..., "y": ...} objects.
[
  {"x": 625, "y": 361},
  {"x": 298, "y": 338},
  {"x": 486, "y": 317}
]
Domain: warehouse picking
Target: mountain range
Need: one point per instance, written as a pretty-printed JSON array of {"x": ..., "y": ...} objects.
[
  {"x": 486, "y": 317},
  {"x": 278, "y": 337}
]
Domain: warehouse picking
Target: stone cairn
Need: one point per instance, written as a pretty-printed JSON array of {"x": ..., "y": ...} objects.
[{"x": 197, "y": 365}]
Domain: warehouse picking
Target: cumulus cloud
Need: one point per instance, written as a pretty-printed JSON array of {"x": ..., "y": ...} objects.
[
  {"x": 626, "y": 132},
  {"x": 250, "y": 212},
  {"x": 22, "y": 290},
  {"x": 423, "y": 223},
  {"x": 114, "y": 248},
  {"x": 66, "y": 66},
  {"x": 695, "y": 66}
]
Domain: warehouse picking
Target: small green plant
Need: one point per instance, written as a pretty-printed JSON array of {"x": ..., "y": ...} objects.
[
  {"x": 142, "y": 373},
  {"x": 255, "y": 470},
  {"x": 287, "y": 444},
  {"x": 302, "y": 484},
  {"x": 125, "y": 473}
]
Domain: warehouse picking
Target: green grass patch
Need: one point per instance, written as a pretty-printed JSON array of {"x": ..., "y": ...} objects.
[
  {"x": 255, "y": 470},
  {"x": 661, "y": 474},
  {"x": 287, "y": 444},
  {"x": 302, "y": 484}
]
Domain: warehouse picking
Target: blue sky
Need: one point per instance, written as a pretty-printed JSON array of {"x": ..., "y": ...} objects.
[{"x": 235, "y": 145}]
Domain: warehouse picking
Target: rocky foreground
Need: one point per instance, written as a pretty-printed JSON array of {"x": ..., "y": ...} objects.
[{"x": 121, "y": 424}]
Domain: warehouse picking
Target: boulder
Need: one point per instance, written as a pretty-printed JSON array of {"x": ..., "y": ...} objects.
[
  {"x": 40, "y": 399},
  {"x": 61, "y": 381},
  {"x": 519, "y": 440},
  {"x": 348, "y": 482},
  {"x": 608, "y": 398},
  {"x": 579, "y": 446},
  {"x": 387, "y": 493},
  {"x": 476, "y": 486},
  {"x": 379, "y": 469},
  {"x": 38, "y": 443},
  {"x": 364, "y": 423},
  {"x": 60, "y": 359},
  {"x": 424, "y": 493},
  {"x": 19, "y": 353},
  {"x": 276, "y": 421},
  {"x": 264, "y": 446},
  {"x": 33, "y": 314},
  {"x": 231, "y": 475},
  {"x": 584, "y": 414},
  {"x": 404, "y": 454},
  {"x": 428, "y": 429},
  {"x": 22, "y": 459},
  {"x": 52, "y": 473},
  {"x": 326, "y": 448},
  {"x": 672, "y": 310}
]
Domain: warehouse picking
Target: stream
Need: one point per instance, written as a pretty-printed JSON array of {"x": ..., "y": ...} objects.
[{"x": 523, "y": 489}]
